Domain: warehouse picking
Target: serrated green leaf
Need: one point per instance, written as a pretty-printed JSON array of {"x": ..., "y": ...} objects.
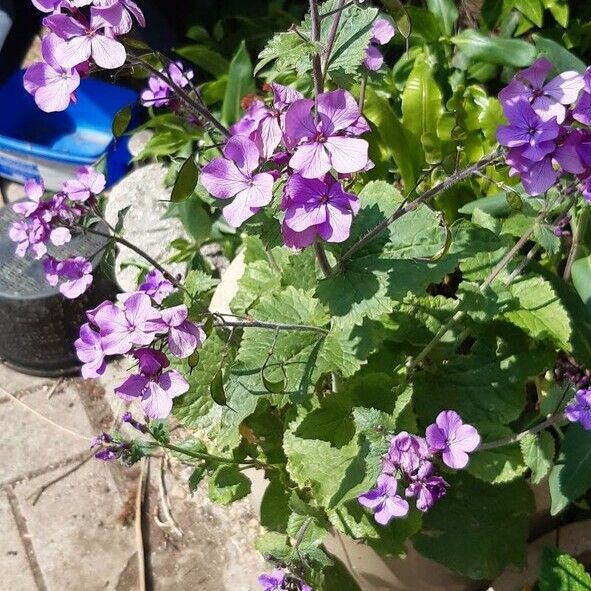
[
  {"x": 496, "y": 531},
  {"x": 499, "y": 465},
  {"x": 571, "y": 475},
  {"x": 487, "y": 385},
  {"x": 561, "y": 572},
  {"x": 227, "y": 485},
  {"x": 540, "y": 312},
  {"x": 538, "y": 454}
]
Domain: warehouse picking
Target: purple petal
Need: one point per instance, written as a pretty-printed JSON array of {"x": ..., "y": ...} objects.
[
  {"x": 299, "y": 122},
  {"x": 436, "y": 437},
  {"x": 371, "y": 499},
  {"x": 582, "y": 110},
  {"x": 107, "y": 53},
  {"x": 466, "y": 438},
  {"x": 222, "y": 179},
  {"x": 547, "y": 108},
  {"x": 537, "y": 73},
  {"x": 156, "y": 403},
  {"x": 133, "y": 387},
  {"x": 173, "y": 383},
  {"x": 175, "y": 316},
  {"x": 347, "y": 155},
  {"x": 383, "y": 31},
  {"x": 455, "y": 458},
  {"x": 338, "y": 226},
  {"x": 540, "y": 177},
  {"x": 311, "y": 160},
  {"x": 244, "y": 153},
  {"x": 337, "y": 110},
  {"x": 374, "y": 59},
  {"x": 183, "y": 340},
  {"x": 565, "y": 88}
]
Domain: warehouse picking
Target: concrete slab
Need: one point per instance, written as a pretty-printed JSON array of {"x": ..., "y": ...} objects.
[
  {"x": 14, "y": 565},
  {"x": 14, "y": 382},
  {"x": 31, "y": 445},
  {"x": 76, "y": 536}
]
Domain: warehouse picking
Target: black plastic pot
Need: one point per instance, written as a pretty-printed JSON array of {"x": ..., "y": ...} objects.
[{"x": 38, "y": 326}]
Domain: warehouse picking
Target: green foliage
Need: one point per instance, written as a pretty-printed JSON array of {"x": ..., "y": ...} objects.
[
  {"x": 561, "y": 572},
  {"x": 538, "y": 454},
  {"x": 478, "y": 529},
  {"x": 227, "y": 485}
]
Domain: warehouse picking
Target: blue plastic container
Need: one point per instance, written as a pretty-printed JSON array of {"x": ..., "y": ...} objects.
[{"x": 34, "y": 144}]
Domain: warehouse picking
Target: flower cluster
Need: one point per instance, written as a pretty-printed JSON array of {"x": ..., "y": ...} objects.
[
  {"x": 544, "y": 136},
  {"x": 579, "y": 410},
  {"x": 45, "y": 221},
  {"x": 161, "y": 94},
  {"x": 137, "y": 324},
  {"x": 382, "y": 32},
  {"x": 311, "y": 146},
  {"x": 108, "y": 448},
  {"x": 279, "y": 580},
  {"x": 410, "y": 460},
  {"x": 81, "y": 33}
]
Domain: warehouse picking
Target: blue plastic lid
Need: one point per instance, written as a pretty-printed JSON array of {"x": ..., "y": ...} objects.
[{"x": 79, "y": 135}]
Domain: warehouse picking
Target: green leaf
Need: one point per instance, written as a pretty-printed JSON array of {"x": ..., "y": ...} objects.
[
  {"x": 208, "y": 60},
  {"x": 496, "y": 527},
  {"x": 369, "y": 283},
  {"x": 446, "y": 12},
  {"x": 121, "y": 121},
  {"x": 581, "y": 276},
  {"x": 561, "y": 57},
  {"x": 227, "y": 485},
  {"x": 559, "y": 10},
  {"x": 540, "y": 312},
  {"x": 291, "y": 51},
  {"x": 196, "y": 477},
  {"x": 273, "y": 545},
  {"x": 561, "y": 572},
  {"x": 274, "y": 509},
  {"x": 186, "y": 181},
  {"x": 532, "y": 9},
  {"x": 394, "y": 140},
  {"x": 538, "y": 454},
  {"x": 499, "y": 465},
  {"x": 421, "y": 101},
  {"x": 495, "y": 50},
  {"x": 487, "y": 385},
  {"x": 240, "y": 82},
  {"x": 196, "y": 409},
  {"x": 571, "y": 476},
  {"x": 194, "y": 217},
  {"x": 398, "y": 12}
]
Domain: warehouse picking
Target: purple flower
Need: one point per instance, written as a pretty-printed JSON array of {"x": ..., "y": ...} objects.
[
  {"x": 183, "y": 336},
  {"x": 384, "y": 500},
  {"x": 324, "y": 143},
  {"x": 407, "y": 452},
  {"x": 73, "y": 274},
  {"x": 579, "y": 410},
  {"x": 156, "y": 286},
  {"x": 548, "y": 99},
  {"x": 49, "y": 5},
  {"x": 316, "y": 208},
  {"x": 281, "y": 581},
  {"x": 156, "y": 388},
  {"x": 582, "y": 110},
  {"x": 30, "y": 237},
  {"x": 450, "y": 436},
  {"x": 89, "y": 349},
  {"x": 51, "y": 85},
  {"x": 88, "y": 183},
  {"x": 264, "y": 125},
  {"x": 233, "y": 176},
  {"x": 85, "y": 40},
  {"x": 426, "y": 487},
  {"x": 383, "y": 31},
  {"x": 127, "y": 417},
  {"x": 159, "y": 93},
  {"x": 117, "y": 14},
  {"x": 111, "y": 450},
  {"x": 526, "y": 128},
  {"x": 35, "y": 206},
  {"x": 121, "y": 329}
]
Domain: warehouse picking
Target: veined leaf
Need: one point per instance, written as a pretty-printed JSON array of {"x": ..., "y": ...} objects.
[{"x": 494, "y": 50}]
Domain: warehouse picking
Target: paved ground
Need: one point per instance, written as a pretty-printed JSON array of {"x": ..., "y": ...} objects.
[{"x": 79, "y": 532}]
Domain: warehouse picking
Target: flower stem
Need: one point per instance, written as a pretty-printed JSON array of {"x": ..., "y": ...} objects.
[
  {"x": 322, "y": 259},
  {"x": 332, "y": 36},
  {"x": 205, "y": 456},
  {"x": 316, "y": 61},
  {"x": 554, "y": 421},
  {"x": 198, "y": 107},
  {"x": 455, "y": 178}
]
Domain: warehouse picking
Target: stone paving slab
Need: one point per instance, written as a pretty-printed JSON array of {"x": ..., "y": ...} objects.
[
  {"x": 76, "y": 536},
  {"x": 14, "y": 566},
  {"x": 31, "y": 445},
  {"x": 15, "y": 382}
]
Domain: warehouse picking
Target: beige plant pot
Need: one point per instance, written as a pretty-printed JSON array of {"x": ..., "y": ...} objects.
[{"x": 416, "y": 573}]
